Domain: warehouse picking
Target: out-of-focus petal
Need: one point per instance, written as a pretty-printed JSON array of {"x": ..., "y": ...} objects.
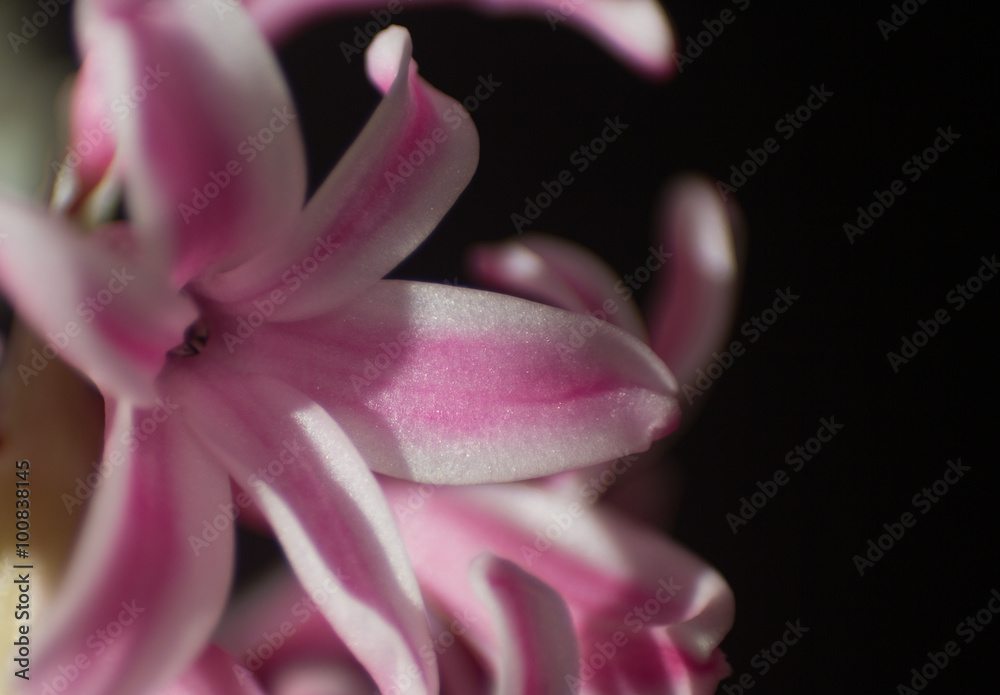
[
  {"x": 447, "y": 384},
  {"x": 666, "y": 608},
  {"x": 276, "y": 624},
  {"x": 327, "y": 511},
  {"x": 139, "y": 600},
  {"x": 208, "y": 134},
  {"x": 111, "y": 318},
  {"x": 693, "y": 308},
  {"x": 635, "y": 31},
  {"x": 558, "y": 272},
  {"x": 215, "y": 673},
  {"x": 537, "y": 645},
  {"x": 385, "y": 196}
]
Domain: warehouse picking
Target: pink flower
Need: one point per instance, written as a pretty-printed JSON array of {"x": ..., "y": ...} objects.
[
  {"x": 542, "y": 588},
  {"x": 300, "y": 371}
]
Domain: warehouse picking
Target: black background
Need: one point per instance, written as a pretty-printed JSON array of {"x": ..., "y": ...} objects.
[{"x": 827, "y": 355}]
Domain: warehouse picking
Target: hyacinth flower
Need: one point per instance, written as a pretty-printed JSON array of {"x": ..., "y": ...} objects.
[
  {"x": 694, "y": 274},
  {"x": 541, "y": 588},
  {"x": 232, "y": 340}
]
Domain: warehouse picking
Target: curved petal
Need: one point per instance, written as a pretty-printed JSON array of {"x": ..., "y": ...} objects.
[
  {"x": 109, "y": 317},
  {"x": 206, "y": 127},
  {"x": 276, "y": 625},
  {"x": 537, "y": 648},
  {"x": 559, "y": 272},
  {"x": 385, "y": 196},
  {"x": 327, "y": 511},
  {"x": 693, "y": 308},
  {"x": 215, "y": 673},
  {"x": 662, "y": 608},
  {"x": 140, "y": 599},
  {"x": 447, "y": 384},
  {"x": 636, "y": 31}
]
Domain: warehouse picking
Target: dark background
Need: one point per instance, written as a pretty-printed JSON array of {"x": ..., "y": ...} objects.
[{"x": 827, "y": 355}]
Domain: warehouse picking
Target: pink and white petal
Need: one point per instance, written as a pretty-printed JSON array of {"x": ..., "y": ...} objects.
[
  {"x": 602, "y": 564},
  {"x": 385, "y": 196},
  {"x": 323, "y": 678},
  {"x": 207, "y": 131},
  {"x": 327, "y": 511},
  {"x": 693, "y": 308},
  {"x": 111, "y": 318},
  {"x": 88, "y": 107},
  {"x": 276, "y": 624},
  {"x": 636, "y": 31},
  {"x": 558, "y": 272},
  {"x": 453, "y": 385},
  {"x": 215, "y": 673},
  {"x": 139, "y": 598},
  {"x": 537, "y": 650}
]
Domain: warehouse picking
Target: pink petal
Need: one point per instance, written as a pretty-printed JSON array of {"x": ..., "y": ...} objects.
[
  {"x": 537, "y": 648},
  {"x": 446, "y": 384},
  {"x": 693, "y": 309},
  {"x": 215, "y": 673},
  {"x": 328, "y": 512},
  {"x": 374, "y": 208},
  {"x": 603, "y": 566},
  {"x": 636, "y": 31},
  {"x": 324, "y": 678},
  {"x": 212, "y": 149},
  {"x": 105, "y": 314},
  {"x": 87, "y": 110},
  {"x": 139, "y": 599},
  {"x": 558, "y": 272},
  {"x": 277, "y": 624}
]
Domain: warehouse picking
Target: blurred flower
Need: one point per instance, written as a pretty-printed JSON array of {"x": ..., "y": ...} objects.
[
  {"x": 279, "y": 328},
  {"x": 636, "y": 31}
]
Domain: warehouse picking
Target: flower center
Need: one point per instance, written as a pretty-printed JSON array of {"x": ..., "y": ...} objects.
[{"x": 195, "y": 339}]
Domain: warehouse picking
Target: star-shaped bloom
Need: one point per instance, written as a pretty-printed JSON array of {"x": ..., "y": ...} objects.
[
  {"x": 540, "y": 588},
  {"x": 239, "y": 335}
]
